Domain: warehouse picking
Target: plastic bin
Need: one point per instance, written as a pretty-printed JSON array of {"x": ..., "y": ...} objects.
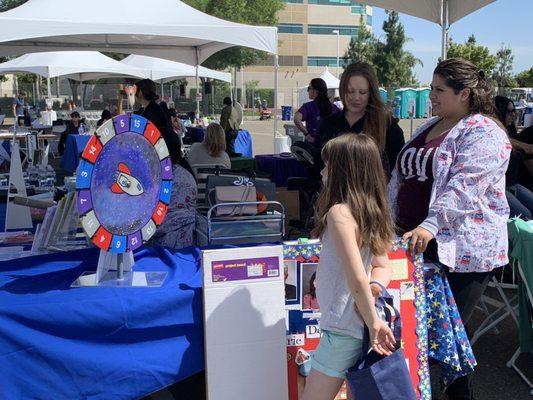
[
  {"x": 423, "y": 104},
  {"x": 286, "y": 113},
  {"x": 294, "y": 133},
  {"x": 408, "y": 101}
]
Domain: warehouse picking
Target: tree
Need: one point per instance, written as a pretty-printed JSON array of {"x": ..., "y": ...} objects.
[
  {"x": 476, "y": 54},
  {"x": 253, "y": 12},
  {"x": 9, "y": 4},
  {"x": 394, "y": 65},
  {"x": 503, "y": 73},
  {"x": 525, "y": 78},
  {"x": 362, "y": 46}
]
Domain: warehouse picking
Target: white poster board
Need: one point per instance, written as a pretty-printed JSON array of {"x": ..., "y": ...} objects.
[{"x": 244, "y": 323}]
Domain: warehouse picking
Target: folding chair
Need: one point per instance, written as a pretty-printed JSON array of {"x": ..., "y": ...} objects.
[
  {"x": 505, "y": 306},
  {"x": 527, "y": 284}
]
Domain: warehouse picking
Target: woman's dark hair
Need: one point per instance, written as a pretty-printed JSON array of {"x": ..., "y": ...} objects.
[
  {"x": 312, "y": 289},
  {"x": 174, "y": 149},
  {"x": 500, "y": 109},
  {"x": 227, "y": 101},
  {"x": 148, "y": 89},
  {"x": 106, "y": 114},
  {"x": 461, "y": 74},
  {"x": 75, "y": 114},
  {"x": 322, "y": 98},
  {"x": 501, "y": 103}
]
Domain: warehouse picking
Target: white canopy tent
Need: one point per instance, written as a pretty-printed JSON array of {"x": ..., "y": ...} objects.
[
  {"x": 167, "y": 29},
  {"x": 164, "y": 70},
  {"x": 332, "y": 82},
  {"x": 442, "y": 12},
  {"x": 78, "y": 65}
]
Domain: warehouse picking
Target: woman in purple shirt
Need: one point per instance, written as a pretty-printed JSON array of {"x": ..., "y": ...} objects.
[{"x": 315, "y": 111}]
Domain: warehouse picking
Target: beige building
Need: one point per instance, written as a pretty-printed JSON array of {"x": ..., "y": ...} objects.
[{"x": 309, "y": 31}]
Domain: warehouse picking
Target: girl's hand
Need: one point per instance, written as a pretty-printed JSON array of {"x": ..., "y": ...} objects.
[
  {"x": 376, "y": 290},
  {"x": 381, "y": 338},
  {"x": 420, "y": 238}
]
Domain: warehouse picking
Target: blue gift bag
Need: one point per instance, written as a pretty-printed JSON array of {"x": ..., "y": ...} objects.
[{"x": 376, "y": 377}]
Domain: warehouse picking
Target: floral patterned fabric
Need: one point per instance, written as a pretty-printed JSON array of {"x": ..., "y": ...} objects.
[
  {"x": 468, "y": 210},
  {"x": 179, "y": 226}
]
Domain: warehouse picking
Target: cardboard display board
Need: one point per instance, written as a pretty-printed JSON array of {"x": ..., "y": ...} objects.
[
  {"x": 244, "y": 322},
  {"x": 303, "y": 314}
]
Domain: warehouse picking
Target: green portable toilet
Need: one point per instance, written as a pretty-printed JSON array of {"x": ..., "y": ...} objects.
[
  {"x": 423, "y": 104},
  {"x": 384, "y": 95},
  {"x": 408, "y": 101}
]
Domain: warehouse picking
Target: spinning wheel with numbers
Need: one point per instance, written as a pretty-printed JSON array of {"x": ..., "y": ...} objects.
[{"x": 123, "y": 183}]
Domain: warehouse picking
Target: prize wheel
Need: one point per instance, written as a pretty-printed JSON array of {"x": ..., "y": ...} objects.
[{"x": 123, "y": 183}]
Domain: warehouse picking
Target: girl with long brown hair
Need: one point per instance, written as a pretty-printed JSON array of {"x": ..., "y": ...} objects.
[
  {"x": 364, "y": 111},
  {"x": 355, "y": 225}
]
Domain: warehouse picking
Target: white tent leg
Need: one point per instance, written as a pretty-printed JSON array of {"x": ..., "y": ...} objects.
[
  {"x": 197, "y": 85},
  {"x": 444, "y": 25},
  {"x": 49, "y": 87},
  {"x": 275, "y": 113},
  {"x": 162, "y": 89}
]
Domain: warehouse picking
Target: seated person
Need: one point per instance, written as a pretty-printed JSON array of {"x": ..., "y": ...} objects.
[
  {"x": 73, "y": 128},
  {"x": 179, "y": 226},
  {"x": 176, "y": 124},
  {"x": 212, "y": 150},
  {"x": 106, "y": 115}
]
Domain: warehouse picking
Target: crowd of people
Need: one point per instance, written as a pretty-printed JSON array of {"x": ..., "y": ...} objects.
[
  {"x": 448, "y": 192},
  {"x": 444, "y": 192}
]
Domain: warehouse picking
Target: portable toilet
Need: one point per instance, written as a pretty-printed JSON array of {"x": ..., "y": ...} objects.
[
  {"x": 384, "y": 95},
  {"x": 408, "y": 101},
  {"x": 397, "y": 107},
  {"x": 423, "y": 104}
]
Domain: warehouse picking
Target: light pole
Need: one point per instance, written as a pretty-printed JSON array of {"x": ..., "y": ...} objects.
[{"x": 336, "y": 31}]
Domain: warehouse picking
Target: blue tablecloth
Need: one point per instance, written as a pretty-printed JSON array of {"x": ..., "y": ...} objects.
[
  {"x": 281, "y": 168},
  {"x": 243, "y": 142},
  {"x": 98, "y": 343},
  {"x": 73, "y": 149}
]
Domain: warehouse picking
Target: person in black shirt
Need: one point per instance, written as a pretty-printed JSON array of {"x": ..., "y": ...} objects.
[
  {"x": 146, "y": 95},
  {"x": 73, "y": 128},
  {"x": 364, "y": 112}
]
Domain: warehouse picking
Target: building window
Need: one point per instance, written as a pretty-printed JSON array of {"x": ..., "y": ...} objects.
[
  {"x": 369, "y": 20},
  {"x": 325, "y": 62},
  {"x": 294, "y": 1},
  {"x": 291, "y": 61},
  {"x": 328, "y": 30},
  {"x": 290, "y": 28},
  {"x": 359, "y": 9},
  {"x": 331, "y": 2}
]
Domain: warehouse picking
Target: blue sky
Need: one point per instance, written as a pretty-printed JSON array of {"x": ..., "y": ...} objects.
[{"x": 504, "y": 21}]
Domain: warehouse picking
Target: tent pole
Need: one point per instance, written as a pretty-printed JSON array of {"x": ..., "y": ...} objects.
[
  {"x": 49, "y": 87},
  {"x": 162, "y": 89},
  {"x": 197, "y": 85},
  {"x": 275, "y": 113},
  {"x": 444, "y": 25}
]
